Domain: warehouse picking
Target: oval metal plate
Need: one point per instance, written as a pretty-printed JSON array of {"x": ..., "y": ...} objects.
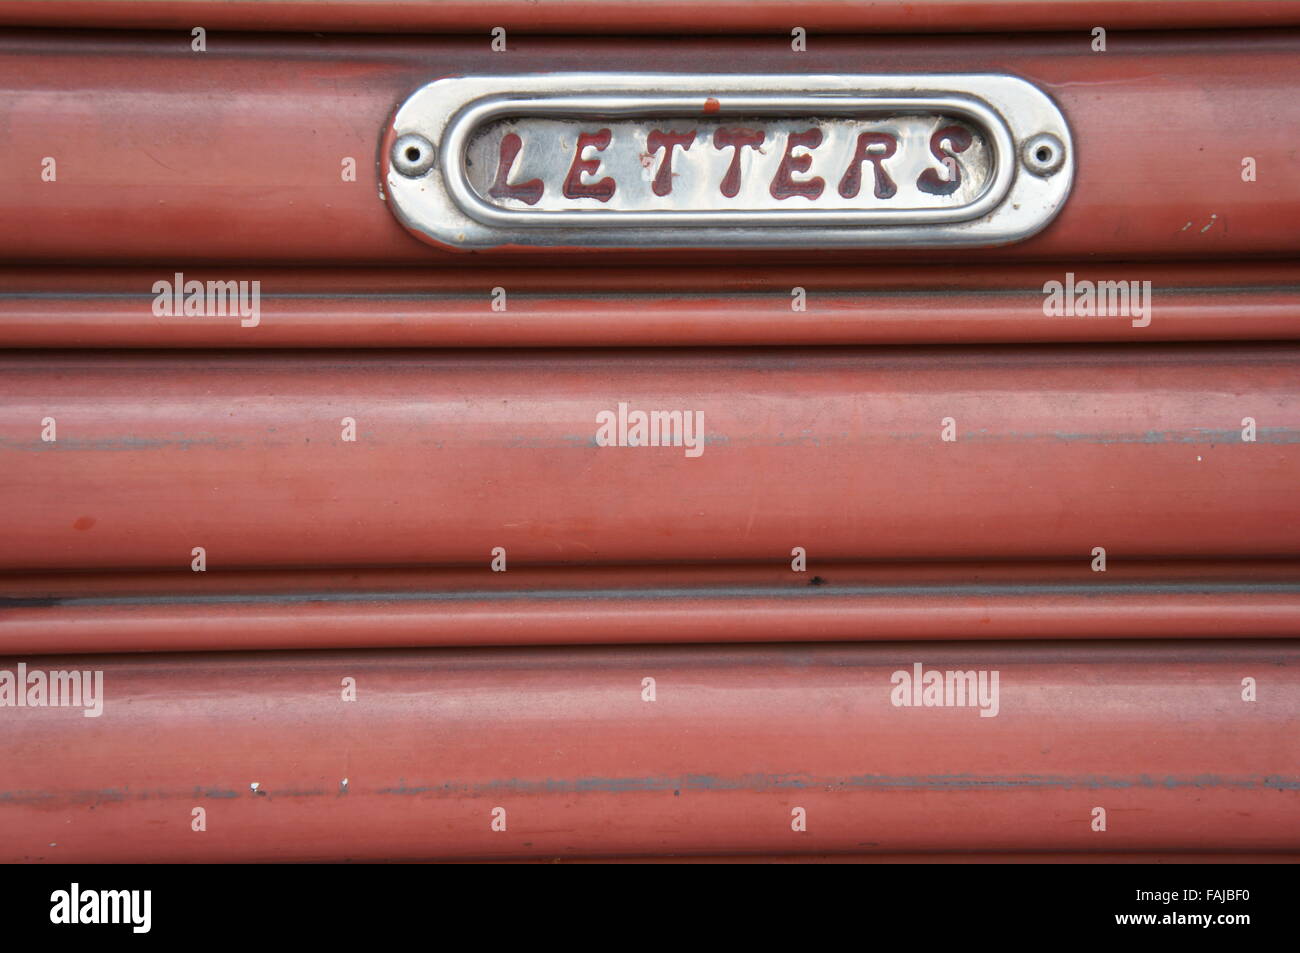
[{"x": 693, "y": 161}]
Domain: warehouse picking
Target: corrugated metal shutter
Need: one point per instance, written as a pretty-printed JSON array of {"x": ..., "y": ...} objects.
[
  {"x": 738, "y": 738},
  {"x": 399, "y": 454},
  {"x": 256, "y": 178}
]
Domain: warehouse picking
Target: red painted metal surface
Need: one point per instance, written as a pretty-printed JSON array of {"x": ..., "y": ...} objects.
[
  {"x": 375, "y": 308},
  {"x": 1157, "y": 735},
  {"x": 1188, "y": 857},
  {"x": 649, "y": 16},
  {"x": 525, "y": 691},
  {"x": 1057, "y": 451},
  {"x": 122, "y": 612},
  {"x": 253, "y": 175}
]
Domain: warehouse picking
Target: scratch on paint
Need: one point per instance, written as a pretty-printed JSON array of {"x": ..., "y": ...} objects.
[
  {"x": 72, "y": 444},
  {"x": 945, "y": 783},
  {"x": 1213, "y": 218},
  {"x": 1274, "y": 435}
]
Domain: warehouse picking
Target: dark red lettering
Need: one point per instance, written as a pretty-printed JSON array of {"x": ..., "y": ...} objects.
[
  {"x": 867, "y": 151},
  {"x": 663, "y": 183},
  {"x": 529, "y": 192},
  {"x": 783, "y": 184},
  {"x": 574, "y": 187},
  {"x": 959, "y": 140},
  {"x": 737, "y": 139}
]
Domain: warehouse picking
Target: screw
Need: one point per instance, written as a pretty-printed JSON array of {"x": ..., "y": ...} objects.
[
  {"x": 1043, "y": 154},
  {"x": 413, "y": 155}
]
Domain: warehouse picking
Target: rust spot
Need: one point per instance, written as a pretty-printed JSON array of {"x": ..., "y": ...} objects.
[
  {"x": 84, "y": 522},
  {"x": 711, "y": 105}
]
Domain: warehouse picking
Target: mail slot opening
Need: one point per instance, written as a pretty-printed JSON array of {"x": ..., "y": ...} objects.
[
  {"x": 729, "y": 164},
  {"x": 691, "y": 161}
]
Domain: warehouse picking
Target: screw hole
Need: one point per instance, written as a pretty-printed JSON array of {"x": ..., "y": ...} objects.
[
  {"x": 413, "y": 155},
  {"x": 1043, "y": 154}
]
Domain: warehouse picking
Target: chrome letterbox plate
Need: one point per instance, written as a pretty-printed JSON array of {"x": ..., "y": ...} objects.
[{"x": 632, "y": 160}]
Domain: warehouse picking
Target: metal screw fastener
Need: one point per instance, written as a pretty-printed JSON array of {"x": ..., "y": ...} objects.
[
  {"x": 1043, "y": 154},
  {"x": 413, "y": 155}
]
